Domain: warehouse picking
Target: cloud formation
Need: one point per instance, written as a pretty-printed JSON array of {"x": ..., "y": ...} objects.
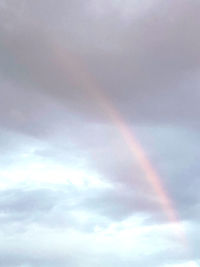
[{"x": 71, "y": 192}]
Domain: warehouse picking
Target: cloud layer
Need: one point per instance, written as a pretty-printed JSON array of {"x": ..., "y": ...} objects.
[{"x": 71, "y": 192}]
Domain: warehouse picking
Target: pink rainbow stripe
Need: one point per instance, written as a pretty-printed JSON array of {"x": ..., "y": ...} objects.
[{"x": 81, "y": 76}]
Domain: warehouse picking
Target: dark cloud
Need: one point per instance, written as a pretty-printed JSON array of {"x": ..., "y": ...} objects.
[{"x": 150, "y": 75}]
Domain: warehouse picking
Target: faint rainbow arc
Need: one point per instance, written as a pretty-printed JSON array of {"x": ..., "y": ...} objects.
[{"x": 81, "y": 76}]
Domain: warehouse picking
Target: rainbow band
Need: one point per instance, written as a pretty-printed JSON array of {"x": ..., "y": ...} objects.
[{"x": 80, "y": 76}]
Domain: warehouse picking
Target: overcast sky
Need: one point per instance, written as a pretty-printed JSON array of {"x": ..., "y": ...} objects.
[{"x": 80, "y": 81}]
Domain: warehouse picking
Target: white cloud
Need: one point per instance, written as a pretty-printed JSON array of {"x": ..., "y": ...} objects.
[
  {"x": 186, "y": 264},
  {"x": 36, "y": 171}
]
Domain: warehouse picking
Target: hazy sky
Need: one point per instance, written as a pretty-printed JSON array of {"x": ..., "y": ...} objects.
[{"x": 72, "y": 192}]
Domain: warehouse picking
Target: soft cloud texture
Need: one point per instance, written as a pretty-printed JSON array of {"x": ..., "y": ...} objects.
[{"x": 72, "y": 193}]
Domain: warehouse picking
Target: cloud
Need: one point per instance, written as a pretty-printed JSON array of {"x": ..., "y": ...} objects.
[
  {"x": 72, "y": 193},
  {"x": 147, "y": 75},
  {"x": 99, "y": 247}
]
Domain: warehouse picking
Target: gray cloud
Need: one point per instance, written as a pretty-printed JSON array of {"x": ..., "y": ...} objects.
[
  {"x": 56, "y": 59},
  {"x": 151, "y": 74},
  {"x": 56, "y": 207}
]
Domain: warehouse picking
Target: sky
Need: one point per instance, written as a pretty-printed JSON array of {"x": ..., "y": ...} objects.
[{"x": 99, "y": 133}]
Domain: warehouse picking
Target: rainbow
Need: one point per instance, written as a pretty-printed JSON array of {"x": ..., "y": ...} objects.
[{"x": 73, "y": 66}]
